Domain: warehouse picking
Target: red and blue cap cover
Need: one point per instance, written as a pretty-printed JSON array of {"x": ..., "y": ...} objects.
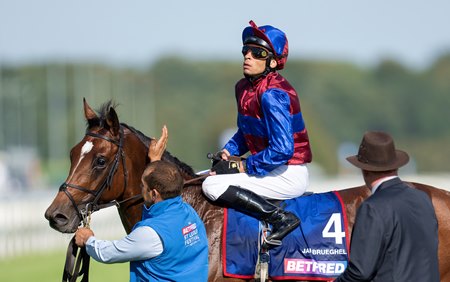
[{"x": 276, "y": 39}]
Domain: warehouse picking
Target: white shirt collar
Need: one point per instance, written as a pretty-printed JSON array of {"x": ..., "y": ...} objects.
[{"x": 380, "y": 181}]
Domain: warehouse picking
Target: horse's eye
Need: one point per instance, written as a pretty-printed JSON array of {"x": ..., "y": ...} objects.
[{"x": 100, "y": 162}]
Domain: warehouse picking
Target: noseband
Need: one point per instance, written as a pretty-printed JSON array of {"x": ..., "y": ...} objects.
[{"x": 97, "y": 193}]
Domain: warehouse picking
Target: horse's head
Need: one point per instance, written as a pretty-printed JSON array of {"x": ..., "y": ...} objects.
[{"x": 98, "y": 172}]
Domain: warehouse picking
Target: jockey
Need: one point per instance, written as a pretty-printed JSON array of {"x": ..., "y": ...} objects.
[{"x": 272, "y": 129}]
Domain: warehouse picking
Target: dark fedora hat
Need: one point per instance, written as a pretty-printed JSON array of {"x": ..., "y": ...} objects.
[{"x": 377, "y": 153}]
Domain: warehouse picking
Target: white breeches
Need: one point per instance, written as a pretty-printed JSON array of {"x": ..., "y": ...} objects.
[{"x": 284, "y": 182}]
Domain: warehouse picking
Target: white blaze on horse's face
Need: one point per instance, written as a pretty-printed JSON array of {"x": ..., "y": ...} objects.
[{"x": 87, "y": 147}]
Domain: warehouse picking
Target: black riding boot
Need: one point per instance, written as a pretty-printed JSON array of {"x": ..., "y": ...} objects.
[{"x": 254, "y": 205}]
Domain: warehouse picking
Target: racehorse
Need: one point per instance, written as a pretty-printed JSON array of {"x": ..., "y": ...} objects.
[{"x": 106, "y": 168}]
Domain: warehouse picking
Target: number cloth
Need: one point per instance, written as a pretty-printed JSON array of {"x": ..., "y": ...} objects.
[{"x": 323, "y": 256}]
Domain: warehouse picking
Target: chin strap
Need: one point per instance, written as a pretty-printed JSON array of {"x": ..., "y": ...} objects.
[{"x": 266, "y": 71}]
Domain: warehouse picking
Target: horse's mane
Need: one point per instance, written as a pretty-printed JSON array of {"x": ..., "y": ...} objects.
[{"x": 101, "y": 122}]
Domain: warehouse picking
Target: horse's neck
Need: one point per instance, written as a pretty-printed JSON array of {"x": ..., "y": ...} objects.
[
  {"x": 129, "y": 216},
  {"x": 136, "y": 150}
]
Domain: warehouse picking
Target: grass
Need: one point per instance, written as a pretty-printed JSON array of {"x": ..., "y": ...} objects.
[{"x": 48, "y": 267}]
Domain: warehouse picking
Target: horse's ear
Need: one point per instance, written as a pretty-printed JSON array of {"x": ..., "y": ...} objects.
[
  {"x": 113, "y": 121},
  {"x": 88, "y": 112}
]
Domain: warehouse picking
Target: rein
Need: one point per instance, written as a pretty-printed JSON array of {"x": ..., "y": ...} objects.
[{"x": 193, "y": 180}]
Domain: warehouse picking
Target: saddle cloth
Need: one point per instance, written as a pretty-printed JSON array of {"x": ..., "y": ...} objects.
[{"x": 317, "y": 250}]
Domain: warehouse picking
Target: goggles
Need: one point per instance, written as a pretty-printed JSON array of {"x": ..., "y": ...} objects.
[{"x": 257, "y": 52}]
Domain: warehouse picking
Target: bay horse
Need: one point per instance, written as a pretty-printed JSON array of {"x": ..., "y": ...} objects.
[{"x": 106, "y": 168}]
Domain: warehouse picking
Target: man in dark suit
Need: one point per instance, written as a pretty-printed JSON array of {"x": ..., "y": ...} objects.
[{"x": 395, "y": 236}]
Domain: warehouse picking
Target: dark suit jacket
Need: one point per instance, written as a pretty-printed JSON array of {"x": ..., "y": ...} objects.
[{"x": 395, "y": 237}]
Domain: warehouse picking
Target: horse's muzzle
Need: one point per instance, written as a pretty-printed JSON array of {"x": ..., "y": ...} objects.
[{"x": 61, "y": 222}]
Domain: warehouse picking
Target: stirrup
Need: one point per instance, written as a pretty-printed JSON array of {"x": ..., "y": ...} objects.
[
  {"x": 271, "y": 243},
  {"x": 262, "y": 264},
  {"x": 268, "y": 244}
]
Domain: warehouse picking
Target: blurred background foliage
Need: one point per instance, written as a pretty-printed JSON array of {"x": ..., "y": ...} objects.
[{"x": 41, "y": 106}]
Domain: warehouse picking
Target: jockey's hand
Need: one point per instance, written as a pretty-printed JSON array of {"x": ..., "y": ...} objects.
[
  {"x": 224, "y": 154},
  {"x": 82, "y": 235},
  {"x": 221, "y": 155},
  {"x": 226, "y": 167}
]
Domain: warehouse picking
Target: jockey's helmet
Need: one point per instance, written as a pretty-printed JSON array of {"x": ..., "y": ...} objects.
[{"x": 270, "y": 38}]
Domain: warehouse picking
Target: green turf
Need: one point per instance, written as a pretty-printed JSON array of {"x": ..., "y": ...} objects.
[{"x": 48, "y": 267}]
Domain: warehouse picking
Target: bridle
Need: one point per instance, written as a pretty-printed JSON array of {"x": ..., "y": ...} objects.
[
  {"x": 77, "y": 263},
  {"x": 92, "y": 206}
]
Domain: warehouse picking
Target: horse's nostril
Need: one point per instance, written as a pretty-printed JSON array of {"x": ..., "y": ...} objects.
[{"x": 60, "y": 219}]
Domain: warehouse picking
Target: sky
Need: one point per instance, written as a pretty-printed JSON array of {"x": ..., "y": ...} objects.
[{"x": 139, "y": 32}]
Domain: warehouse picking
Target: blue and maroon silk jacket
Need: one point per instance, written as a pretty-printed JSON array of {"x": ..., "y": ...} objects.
[{"x": 270, "y": 125}]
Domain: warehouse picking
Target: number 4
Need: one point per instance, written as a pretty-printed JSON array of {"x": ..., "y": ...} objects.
[{"x": 338, "y": 234}]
